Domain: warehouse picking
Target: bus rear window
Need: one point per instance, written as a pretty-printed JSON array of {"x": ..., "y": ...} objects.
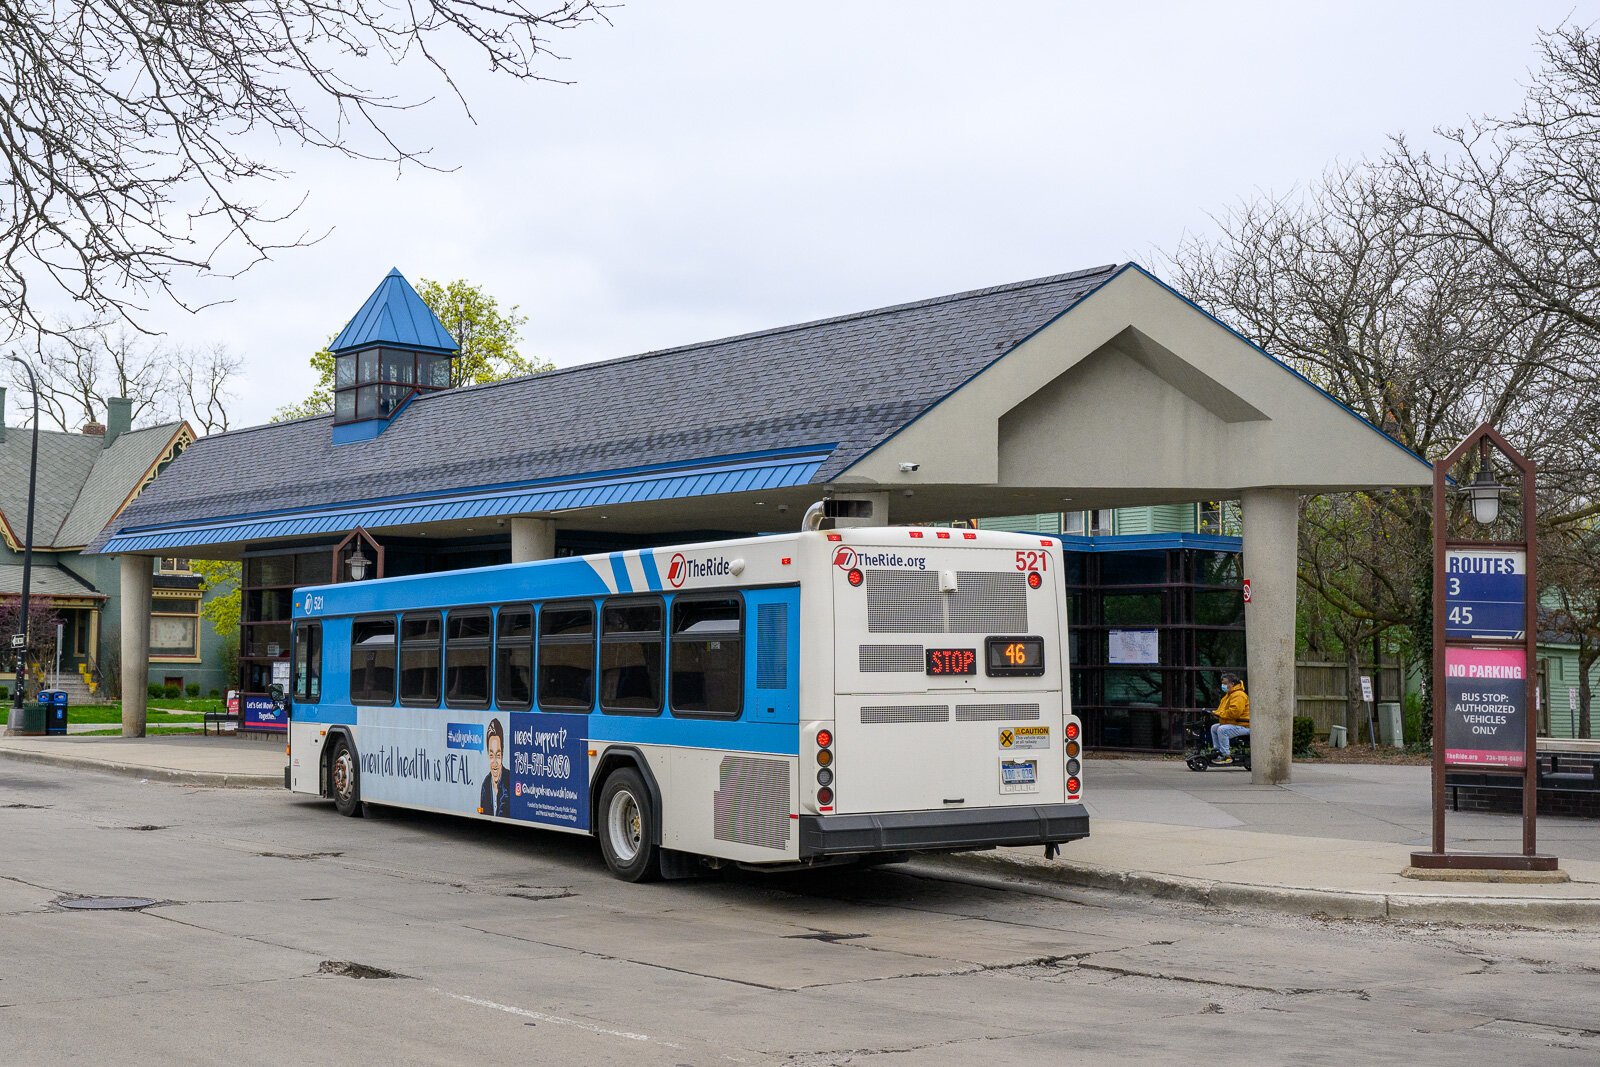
[{"x": 707, "y": 656}]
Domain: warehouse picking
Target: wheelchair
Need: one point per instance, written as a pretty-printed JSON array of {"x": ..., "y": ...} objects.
[{"x": 1201, "y": 755}]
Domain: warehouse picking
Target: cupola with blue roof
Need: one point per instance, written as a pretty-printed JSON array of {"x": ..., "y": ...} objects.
[{"x": 394, "y": 348}]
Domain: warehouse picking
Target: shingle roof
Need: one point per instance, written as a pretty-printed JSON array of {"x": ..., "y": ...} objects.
[
  {"x": 82, "y": 481},
  {"x": 46, "y": 581},
  {"x": 394, "y": 314},
  {"x": 846, "y": 383}
]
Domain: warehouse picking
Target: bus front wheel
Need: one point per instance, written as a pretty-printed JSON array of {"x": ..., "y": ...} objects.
[
  {"x": 344, "y": 780},
  {"x": 624, "y": 831}
]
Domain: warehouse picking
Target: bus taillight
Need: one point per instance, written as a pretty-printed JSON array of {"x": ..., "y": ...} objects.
[
  {"x": 855, "y": 577},
  {"x": 1072, "y": 731},
  {"x": 1072, "y": 786}
]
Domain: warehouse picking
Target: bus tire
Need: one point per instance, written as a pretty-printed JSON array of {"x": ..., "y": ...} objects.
[
  {"x": 624, "y": 830},
  {"x": 344, "y": 780}
]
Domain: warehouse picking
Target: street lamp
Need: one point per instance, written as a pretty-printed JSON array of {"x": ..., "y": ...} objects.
[
  {"x": 27, "y": 551},
  {"x": 1483, "y": 491},
  {"x": 358, "y": 564}
]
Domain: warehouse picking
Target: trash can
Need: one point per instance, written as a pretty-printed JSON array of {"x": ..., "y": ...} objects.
[
  {"x": 1391, "y": 725},
  {"x": 26, "y": 720},
  {"x": 54, "y": 703}
]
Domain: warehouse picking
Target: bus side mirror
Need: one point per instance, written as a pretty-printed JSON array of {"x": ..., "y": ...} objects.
[{"x": 280, "y": 699}]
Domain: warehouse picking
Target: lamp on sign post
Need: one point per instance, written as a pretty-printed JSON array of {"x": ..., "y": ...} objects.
[{"x": 1483, "y": 491}]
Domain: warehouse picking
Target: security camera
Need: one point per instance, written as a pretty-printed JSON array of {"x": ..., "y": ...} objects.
[{"x": 907, "y": 468}]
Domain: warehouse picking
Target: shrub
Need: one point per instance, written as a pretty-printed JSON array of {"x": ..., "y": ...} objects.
[
  {"x": 157, "y": 690},
  {"x": 5, "y": 692},
  {"x": 1305, "y": 729},
  {"x": 1411, "y": 717},
  {"x": 215, "y": 694},
  {"x": 193, "y": 689},
  {"x": 172, "y": 692}
]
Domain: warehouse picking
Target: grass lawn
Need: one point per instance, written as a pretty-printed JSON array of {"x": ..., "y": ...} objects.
[
  {"x": 157, "y": 713},
  {"x": 149, "y": 731}
]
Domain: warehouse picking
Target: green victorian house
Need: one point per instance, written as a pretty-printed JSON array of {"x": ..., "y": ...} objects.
[{"x": 85, "y": 480}]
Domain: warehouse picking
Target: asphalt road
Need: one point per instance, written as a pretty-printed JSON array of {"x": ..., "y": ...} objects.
[{"x": 284, "y": 934}]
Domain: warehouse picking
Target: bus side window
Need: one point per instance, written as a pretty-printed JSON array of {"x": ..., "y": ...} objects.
[
  {"x": 631, "y": 639},
  {"x": 419, "y": 659},
  {"x": 466, "y": 658},
  {"x": 308, "y": 662},
  {"x": 708, "y": 656},
  {"x": 372, "y": 661},
  {"x": 566, "y": 656},
  {"x": 513, "y": 658}
]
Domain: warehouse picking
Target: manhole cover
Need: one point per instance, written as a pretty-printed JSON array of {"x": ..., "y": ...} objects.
[{"x": 107, "y": 903}]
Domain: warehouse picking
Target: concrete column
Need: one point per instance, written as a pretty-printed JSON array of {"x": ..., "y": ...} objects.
[
  {"x": 532, "y": 539},
  {"x": 1271, "y": 530},
  {"x": 134, "y": 592}
]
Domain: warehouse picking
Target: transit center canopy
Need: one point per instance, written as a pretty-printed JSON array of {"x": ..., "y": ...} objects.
[{"x": 1094, "y": 389}]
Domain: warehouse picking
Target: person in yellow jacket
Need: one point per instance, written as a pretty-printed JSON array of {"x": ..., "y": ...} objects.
[{"x": 1233, "y": 717}]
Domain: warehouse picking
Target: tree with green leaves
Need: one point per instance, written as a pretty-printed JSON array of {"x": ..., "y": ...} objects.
[
  {"x": 221, "y": 580},
  {"x": 486, "y": 334}
]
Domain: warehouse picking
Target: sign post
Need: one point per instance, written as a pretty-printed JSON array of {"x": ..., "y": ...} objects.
[
  {"x": 1485, "y": 647},
  {"x": 1372, "y": 711}
]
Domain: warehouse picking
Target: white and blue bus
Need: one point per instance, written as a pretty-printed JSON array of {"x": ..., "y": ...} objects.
[{"x": 791, "y": 700}]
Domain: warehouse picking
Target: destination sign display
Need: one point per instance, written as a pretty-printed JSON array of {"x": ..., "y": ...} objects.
[
  {"x": 1484, "y": 591},
  {"x": 952, "y": 661}
]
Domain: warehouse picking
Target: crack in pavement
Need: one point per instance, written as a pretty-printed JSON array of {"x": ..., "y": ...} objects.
[{"x": 1293, "y": 991}]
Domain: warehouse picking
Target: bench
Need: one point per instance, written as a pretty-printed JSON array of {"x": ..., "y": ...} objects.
[
  {"x": 220, "y": 717},
  {"x": 1579, "y": 779},
  {"x": 1573, "y": 784}
]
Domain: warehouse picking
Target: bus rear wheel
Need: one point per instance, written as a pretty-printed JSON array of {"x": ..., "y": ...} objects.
[
  {"x": 344, "y": 779},
  {"x": 626, "y": 816}
]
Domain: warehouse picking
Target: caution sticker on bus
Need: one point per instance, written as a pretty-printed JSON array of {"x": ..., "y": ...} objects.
[{"x": 1024, "y": 737}]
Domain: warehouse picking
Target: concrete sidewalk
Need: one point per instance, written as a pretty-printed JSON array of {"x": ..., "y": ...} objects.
[
  {"x": 229, "y": 760},
  {"x": 1332, "y": 843}
]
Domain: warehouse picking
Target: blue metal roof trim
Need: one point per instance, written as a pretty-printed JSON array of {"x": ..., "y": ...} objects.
[
  {"x": 775, "y": 472},
  {"x": 394, "y": 315},
  {"x": 1147, "y": 542}
]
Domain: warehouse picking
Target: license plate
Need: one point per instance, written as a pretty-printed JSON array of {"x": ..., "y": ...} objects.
[{"x": 1019, "y": 776}]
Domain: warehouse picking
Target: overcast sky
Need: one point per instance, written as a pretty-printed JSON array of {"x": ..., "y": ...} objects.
[{"x": 719, "y": 167}]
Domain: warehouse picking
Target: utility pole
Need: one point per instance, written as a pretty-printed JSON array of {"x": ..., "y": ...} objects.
[{"x": 27, "y": 552}]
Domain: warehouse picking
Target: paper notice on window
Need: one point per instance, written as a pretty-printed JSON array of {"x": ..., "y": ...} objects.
[{"x": 1135, "y": 646}]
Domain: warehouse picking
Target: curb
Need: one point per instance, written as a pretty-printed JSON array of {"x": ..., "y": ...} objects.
[
  {"x": 1561, "y": 912},
  {"x": 216, "y": 779}
]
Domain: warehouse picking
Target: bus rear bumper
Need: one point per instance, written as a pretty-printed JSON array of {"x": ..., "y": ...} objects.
[{"x": 941, "y": 830}]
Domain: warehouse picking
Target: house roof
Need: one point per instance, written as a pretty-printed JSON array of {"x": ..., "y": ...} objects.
[
  {"x": 82, "y": 482},
  {"x": 394, "y": 315},
  {"x": 47, "y": 581},
  {"x": 837, "y": 386}
]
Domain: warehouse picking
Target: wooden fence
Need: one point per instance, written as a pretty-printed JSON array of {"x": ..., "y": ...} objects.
[{"x": 1321, "y": 692}]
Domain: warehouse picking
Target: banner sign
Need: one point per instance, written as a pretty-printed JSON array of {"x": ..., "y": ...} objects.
[
  {"x": 1484, "y": 594},
  {"x": 1486, "y": 699},
  {"x": 261, "y": 714}
]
